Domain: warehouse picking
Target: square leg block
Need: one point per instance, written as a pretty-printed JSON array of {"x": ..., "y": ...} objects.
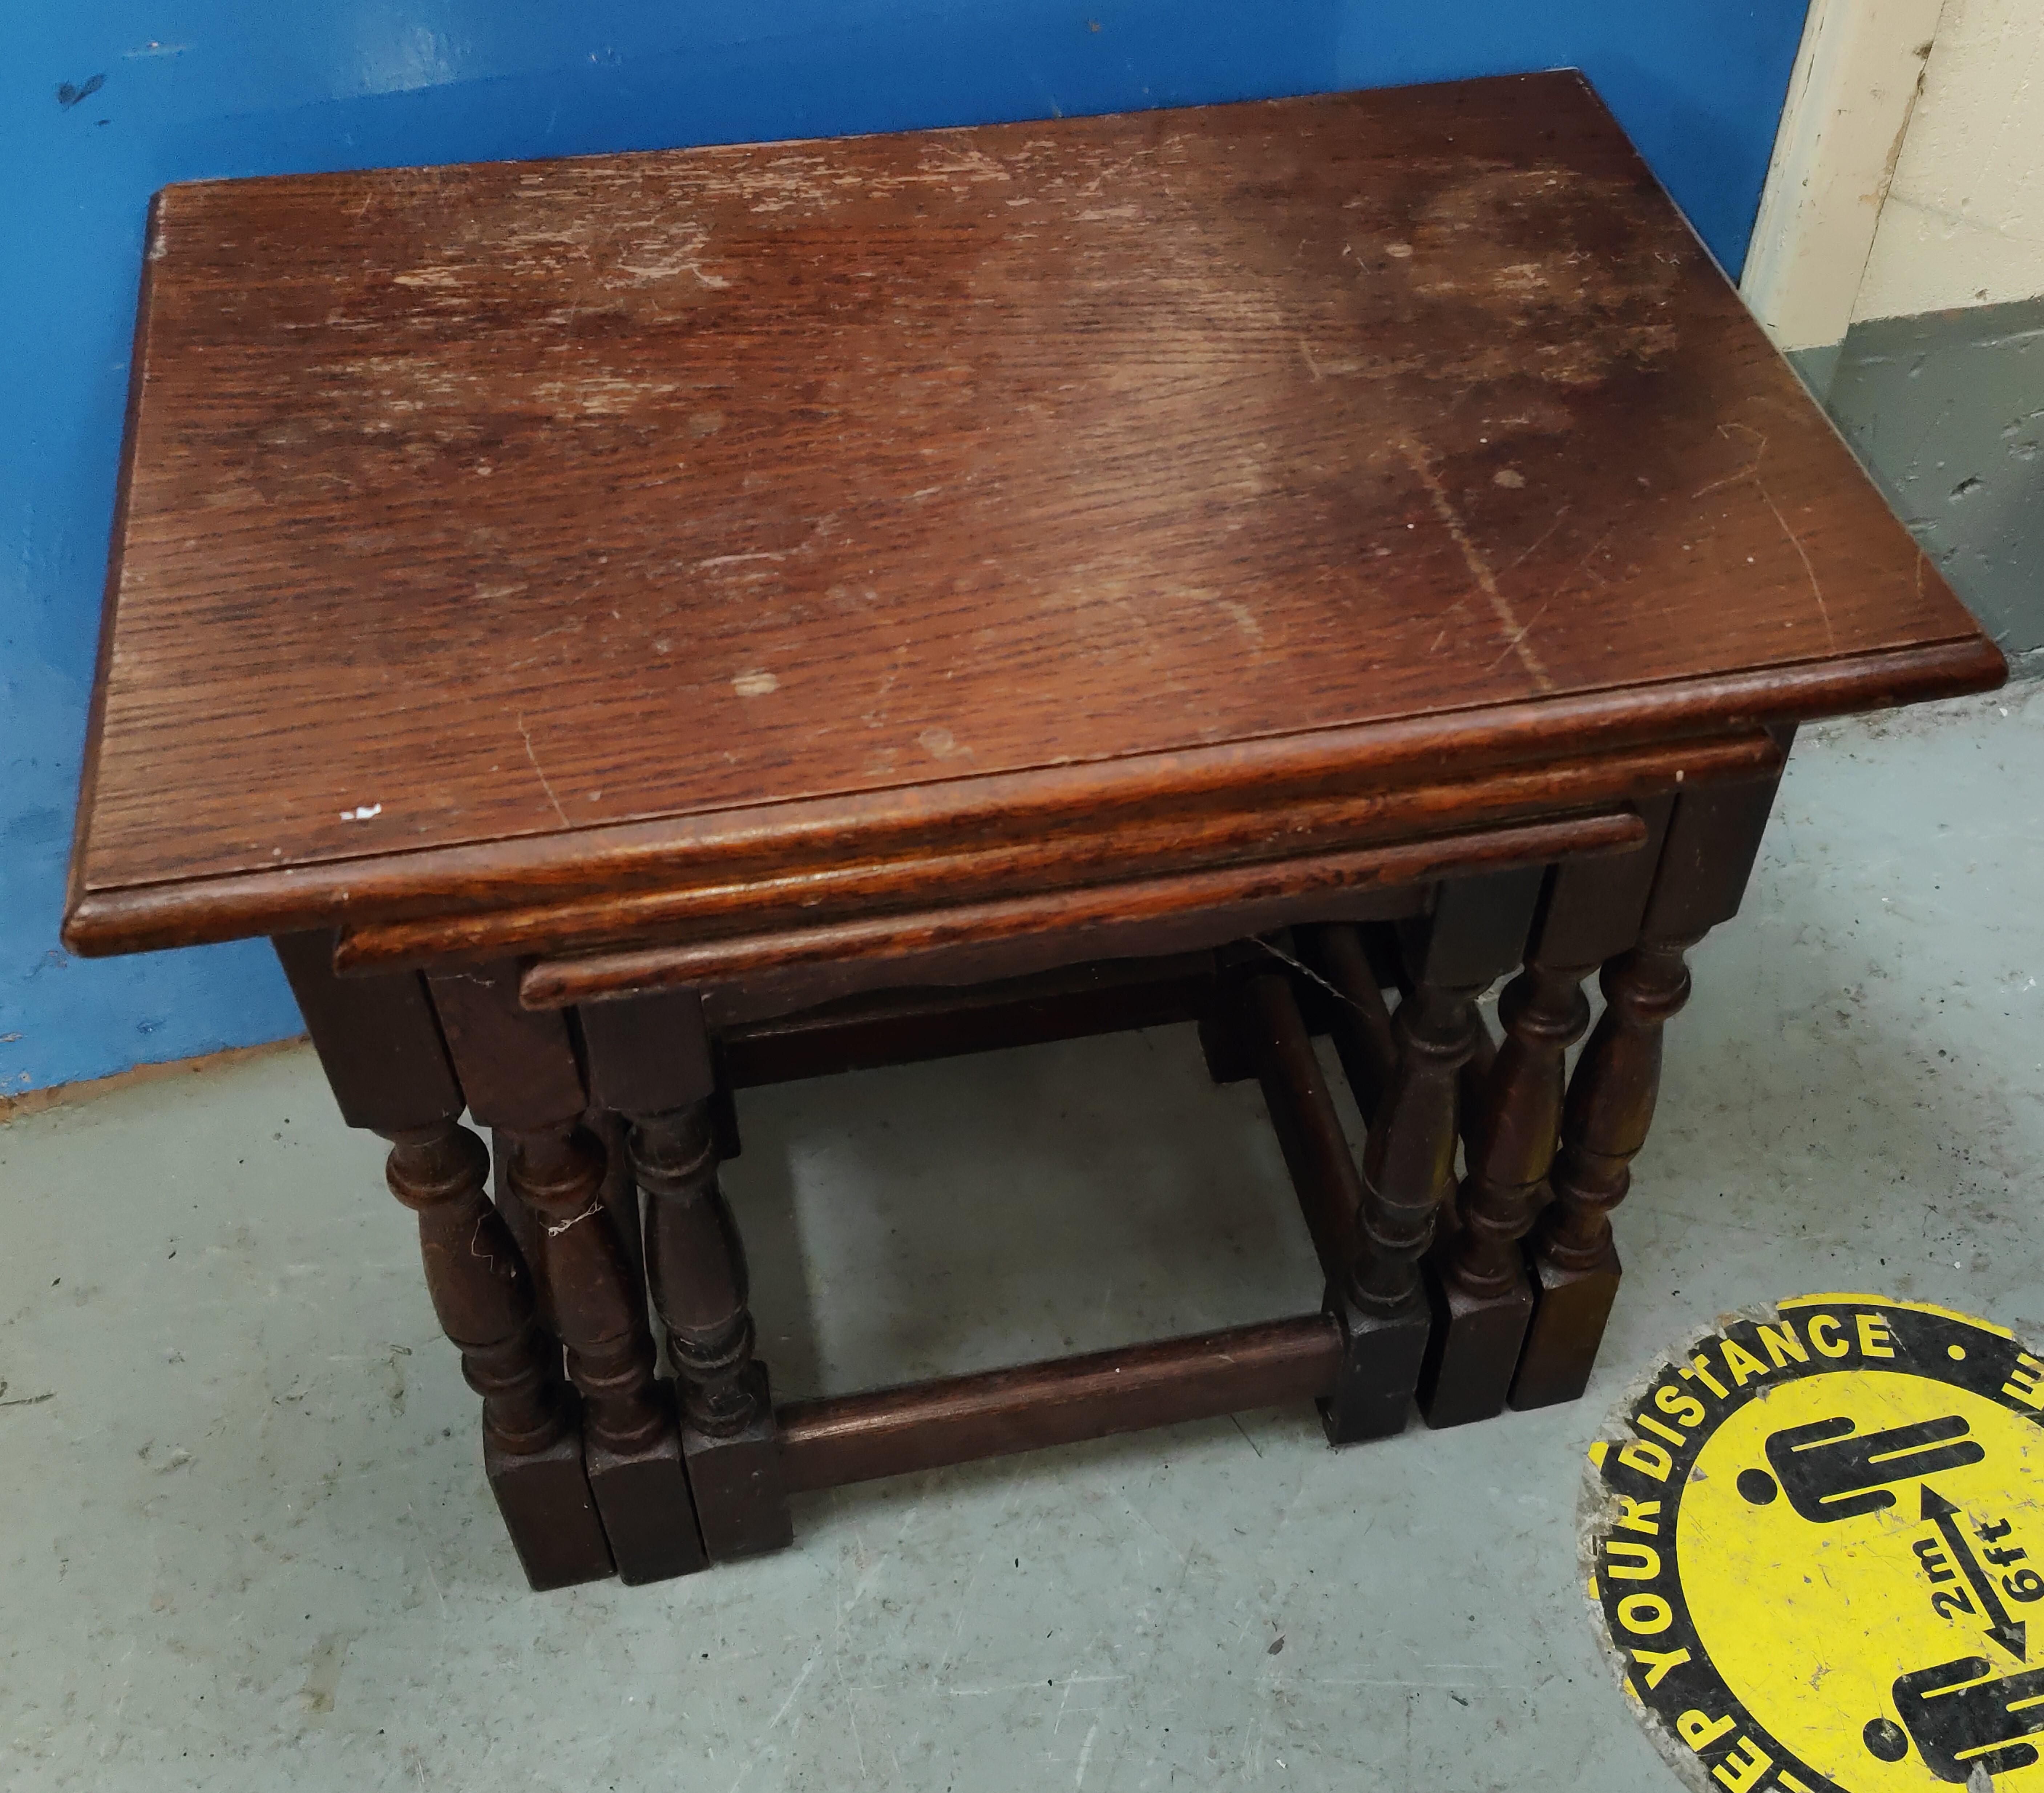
[
  {"x": 741, "y": 1494},
  {"x": 1474, "y": 1352},
  {"x": 1381, "y": 1355},
  {"x": 723, "y": 1124},
  {"x": 1228, "y": 1059},
  {"x": 647, "y": 1511},
  {"x": 549, "y": 1510},
  {"x": 1570, "y": 1310}
]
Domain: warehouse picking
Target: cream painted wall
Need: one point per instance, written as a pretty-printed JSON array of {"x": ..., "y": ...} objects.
[
  {"x": 1964, "y": 220},
  {"x": 1849, "y": 99}
]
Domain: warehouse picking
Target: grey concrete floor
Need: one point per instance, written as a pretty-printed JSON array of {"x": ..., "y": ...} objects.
[{"x": 246, "y": 1542}]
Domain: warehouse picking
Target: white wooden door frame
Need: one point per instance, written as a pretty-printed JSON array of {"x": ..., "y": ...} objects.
[{"x": 1855, "y": 83}]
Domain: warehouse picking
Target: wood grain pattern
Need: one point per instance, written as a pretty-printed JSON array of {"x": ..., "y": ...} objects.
[
  {"x": 501, "y": 526},
  {"x": 738, "y": 897},
  {"x": 956, "y": 1419},
  {"x": 1175, "y": 913},
  {"x": 898, "y": 847}
]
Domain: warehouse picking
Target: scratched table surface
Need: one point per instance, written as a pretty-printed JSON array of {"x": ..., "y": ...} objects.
[{"x": 471, "y": 504}]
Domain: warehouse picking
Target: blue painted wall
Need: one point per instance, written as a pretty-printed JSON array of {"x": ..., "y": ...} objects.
[{"x": 103, "y": 100}]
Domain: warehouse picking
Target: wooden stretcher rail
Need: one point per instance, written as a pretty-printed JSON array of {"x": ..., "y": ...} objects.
[
  {"x": 845, "y": 1438},
  {"x": 1308, "y": 1124}
]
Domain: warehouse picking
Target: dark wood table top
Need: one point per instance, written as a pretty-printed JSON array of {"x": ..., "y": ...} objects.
[{"x": 520, "y": 530}]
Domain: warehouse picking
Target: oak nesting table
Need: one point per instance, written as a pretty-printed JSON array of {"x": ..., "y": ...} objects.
[{"x": 635, "y": 628}]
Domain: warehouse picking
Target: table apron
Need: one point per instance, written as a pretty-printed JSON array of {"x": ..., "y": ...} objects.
[{"x": 747, "y": 975}]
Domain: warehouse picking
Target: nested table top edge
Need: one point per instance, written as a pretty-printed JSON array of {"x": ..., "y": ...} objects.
[{"x": 393, "y": 885}]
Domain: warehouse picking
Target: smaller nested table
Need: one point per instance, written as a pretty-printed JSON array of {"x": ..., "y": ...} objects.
[{"x": 632, "y": 628}]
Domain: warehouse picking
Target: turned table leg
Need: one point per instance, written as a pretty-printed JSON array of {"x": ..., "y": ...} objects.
[
  {"x": 1483, "y": 1296},
  {"x": 519, "y": 1070},
  {"x": 649, "y": 1060},
  {"x": 1482, "y": 1299},
  {"x": 533, "y": 1453},
  {"x": 1609, "y": 1108},
  {"x": 1706, "y": 858},
  {"x": 382, "y": 1055},
  {"x": 1475, "y": 933},
  {"x": 1340, "y": 956}
]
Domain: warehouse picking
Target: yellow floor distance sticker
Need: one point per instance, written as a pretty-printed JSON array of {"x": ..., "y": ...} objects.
[{"x": 1816, "y": 1543}]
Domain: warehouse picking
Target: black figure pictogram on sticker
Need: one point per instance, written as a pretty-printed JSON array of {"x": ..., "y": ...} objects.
[
  {"x": 1959, "y": 1714},
  {"x": 1829, "y": 1472}
]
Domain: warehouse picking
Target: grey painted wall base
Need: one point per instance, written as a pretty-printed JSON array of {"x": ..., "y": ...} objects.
[
  {"x": 1816, "y": 366},
  {"x": 1947, "y": 410}
]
